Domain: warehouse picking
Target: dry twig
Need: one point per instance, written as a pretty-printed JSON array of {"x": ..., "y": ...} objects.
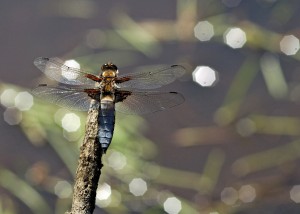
[{"x": 89, "y": 167}]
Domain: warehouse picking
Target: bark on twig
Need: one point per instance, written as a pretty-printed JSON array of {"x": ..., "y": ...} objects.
[{"x": 89, "y": 167}]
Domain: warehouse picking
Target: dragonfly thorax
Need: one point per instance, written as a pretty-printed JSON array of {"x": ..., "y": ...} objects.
[{"x": 109, "y": 74}]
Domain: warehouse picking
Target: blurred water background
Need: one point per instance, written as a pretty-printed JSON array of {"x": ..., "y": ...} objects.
[{"x": 232, "y": 147}]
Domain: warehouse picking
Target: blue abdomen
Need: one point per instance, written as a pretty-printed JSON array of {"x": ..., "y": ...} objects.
[{"x": 106, "y": 123}]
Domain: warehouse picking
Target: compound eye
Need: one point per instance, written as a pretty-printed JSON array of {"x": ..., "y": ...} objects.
[{"x": 109, "y": 66}]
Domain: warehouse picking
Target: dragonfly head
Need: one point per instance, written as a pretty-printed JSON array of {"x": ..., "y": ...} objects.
[{"x": 109, "y": 70}]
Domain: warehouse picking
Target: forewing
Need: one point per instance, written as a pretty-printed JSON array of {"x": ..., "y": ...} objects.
[
  {"x": 71, "y": 98},
  {"x": 56, "y": 70},
  {"x": 148, "y": 102},
  {"x": 153, "y": 77}
]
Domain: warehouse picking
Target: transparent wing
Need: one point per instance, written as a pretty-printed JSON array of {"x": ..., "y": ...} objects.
[
  {"x": 56, "y": 70},
  {"x": 71, "y": 98},
  {"x": 148, "y": 102},
  {"x": 152, "y": 77}
]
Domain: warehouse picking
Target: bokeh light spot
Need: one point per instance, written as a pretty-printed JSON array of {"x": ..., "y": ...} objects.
[
  {"x": 116, "y": 160},
  {"x": 7, "y": 97},
  {"x": 204, "y": 31},
  {"x": 289, "y": 45},
  {"x": 24, "y": 101},
  {"x": 12, "y": 116},
  {"x": 103, "y": 192},
  {"x": 229, "y": 196},
  {"x": 138, "y": 187},
  {"x": 103, "y": 203},
  {"x": 235, "y": 37},
  {"x": 295, "y": 193},
  {"x": 247, "y": 193},
  {"x": 205, "y": 76},
  {"x": 172, "y": 205},
  {"x": 103, "y": 197},
  {"x": 63, "y": 189},
  {"x": 70, "y": 122},
  {"x": 68, "y": 74}
]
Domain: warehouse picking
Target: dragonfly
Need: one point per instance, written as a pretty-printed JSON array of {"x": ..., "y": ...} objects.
[{"x": 128, "y": 93}]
